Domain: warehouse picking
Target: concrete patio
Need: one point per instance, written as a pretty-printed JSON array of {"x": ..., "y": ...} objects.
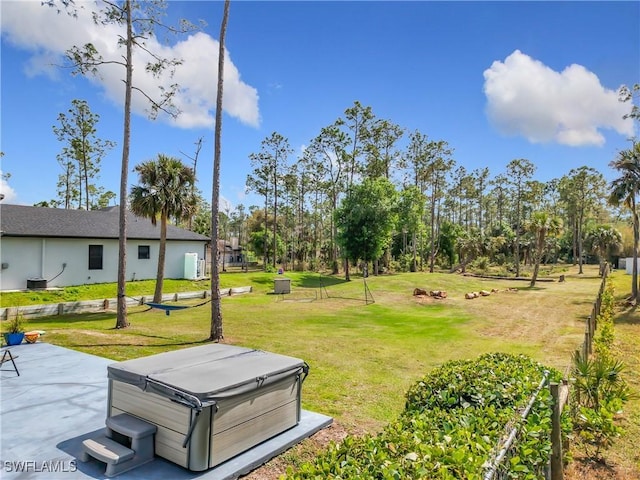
[{"x": 60, "y": 399}]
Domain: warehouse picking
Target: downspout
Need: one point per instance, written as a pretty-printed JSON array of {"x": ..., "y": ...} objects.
[{"x": 42, "y": 257}]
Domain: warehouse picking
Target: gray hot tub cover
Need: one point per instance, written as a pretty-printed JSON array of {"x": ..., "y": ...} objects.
[{"x": 202, "y": 375}]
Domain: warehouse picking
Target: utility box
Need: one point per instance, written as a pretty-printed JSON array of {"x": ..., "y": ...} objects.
[
  {"x": 190, "y": 266},
  {"x": 281, "y": 285}
]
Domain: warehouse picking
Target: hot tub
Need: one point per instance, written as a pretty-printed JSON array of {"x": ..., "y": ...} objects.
[{"x": 211, "y": 402}]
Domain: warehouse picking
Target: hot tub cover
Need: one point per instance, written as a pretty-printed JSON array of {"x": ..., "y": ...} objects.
[{"x": 206, "y": 373}]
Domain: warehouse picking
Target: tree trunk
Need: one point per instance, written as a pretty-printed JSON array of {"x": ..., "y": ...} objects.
[
  {"x": 580, "y": 262},
  {"x": 636, "y": 241},
  {"x": 574, "y": 244},
  {"x": 537, "y": 259},
  {"x": 79, "y": 184},
  {"x": 266, "y": 237},
  {"x": 85, "y": 154},
  {"x": 121, "y": 321},
  {"x": 275, "y": 211},
  {"x": 67, "y": 195},
  {"x": 414, "y": 263},
  {"x": 334, "y": 234},
  {"x": 216, "y": 307},
  {"x": 432, "y": 256},
  {"x": 157, "y": 296}
]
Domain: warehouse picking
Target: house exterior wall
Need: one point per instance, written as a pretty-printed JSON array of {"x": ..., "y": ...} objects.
[{"x": 26, "y": 258}]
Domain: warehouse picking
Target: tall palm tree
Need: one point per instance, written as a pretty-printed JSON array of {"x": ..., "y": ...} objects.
[
  {"x": 540, "y": 225},
  {"x": 623, "y": 191},
  {"x": 165, "y": 191},
  {"x": 603, "y": 241}
]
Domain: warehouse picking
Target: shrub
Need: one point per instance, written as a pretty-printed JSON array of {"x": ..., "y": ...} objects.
[
  {"x": 603, "y": 341},
  {"x": 452, "y": 421},
  {"x": 15, "y": 324},
  {"x": 599, "y": 389},
  {"x": 481, "y": 264}
]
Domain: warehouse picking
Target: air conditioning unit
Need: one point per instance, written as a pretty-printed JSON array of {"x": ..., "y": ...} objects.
[{"x": 36, "y": 283}]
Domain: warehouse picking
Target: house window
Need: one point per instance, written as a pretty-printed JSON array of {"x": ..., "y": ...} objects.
[
  {"x": 144, "y": 252},
  {"x": 95, "y": 257}
]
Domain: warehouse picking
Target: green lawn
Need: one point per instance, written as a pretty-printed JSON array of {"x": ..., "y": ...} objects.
[{"x": 362, "y": 357}]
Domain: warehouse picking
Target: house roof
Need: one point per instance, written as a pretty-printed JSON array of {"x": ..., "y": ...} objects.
[{"x": 26, "y": 221}]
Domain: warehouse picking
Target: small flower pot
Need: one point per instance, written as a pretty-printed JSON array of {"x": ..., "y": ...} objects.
[
  {"x": 31, "y": 337},
  {"x": 14, "y": 338}
]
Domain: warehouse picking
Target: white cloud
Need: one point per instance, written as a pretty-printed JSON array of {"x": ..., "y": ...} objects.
[
  {"x": 526, "y": 97},
  {"x": 6, "y": 190},
  {"x": 48, "y": 34}
]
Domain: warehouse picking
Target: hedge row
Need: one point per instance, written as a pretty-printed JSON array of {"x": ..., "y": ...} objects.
[{"x": 453, "y": 419}]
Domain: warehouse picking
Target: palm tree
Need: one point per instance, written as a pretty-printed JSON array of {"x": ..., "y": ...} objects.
[
  {"x": 165, "y": 191},
  {"x": 541, "y": 224},
  {"x": 603, "y": 241},
  {"x": 624, "y": 191}
]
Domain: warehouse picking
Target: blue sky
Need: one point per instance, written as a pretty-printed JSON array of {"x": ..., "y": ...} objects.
[{"x": 497, "y": 80}]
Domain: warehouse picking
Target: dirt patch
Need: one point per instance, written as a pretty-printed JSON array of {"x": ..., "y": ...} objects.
[
  {"x": 304, "y": 451},
  {"x": 425, "y": 299},
  {"x": 89, "y": 333},
  {"x": 586, "y": 469}
]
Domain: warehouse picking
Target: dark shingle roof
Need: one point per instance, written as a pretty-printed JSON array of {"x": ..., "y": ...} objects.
[{"x": 25, "y": 221}]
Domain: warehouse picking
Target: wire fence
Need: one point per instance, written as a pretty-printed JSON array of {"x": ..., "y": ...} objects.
[
  {"x": 498, "y": 465},
  {"x": 497, "y": 468}
]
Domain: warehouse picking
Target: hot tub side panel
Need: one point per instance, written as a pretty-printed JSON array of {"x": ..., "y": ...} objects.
[
  {"x": 173, "y": 421},
  {"x": 246, "y": 420}
]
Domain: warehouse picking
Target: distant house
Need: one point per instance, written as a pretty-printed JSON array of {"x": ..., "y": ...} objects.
[
  {"x": 56, "y": 247},
  {"x": 230, "y": 254}
]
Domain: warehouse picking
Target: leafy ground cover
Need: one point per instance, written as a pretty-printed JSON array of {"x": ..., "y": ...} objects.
[
  {"x": 363, "y": 357},
  {"x": 452, "y": 420}
]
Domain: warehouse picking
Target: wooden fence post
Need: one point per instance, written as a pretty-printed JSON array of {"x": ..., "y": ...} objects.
[{"x": 560, "y": 395}]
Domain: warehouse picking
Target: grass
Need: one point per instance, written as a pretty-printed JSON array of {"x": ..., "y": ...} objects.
[
  {"x": 96, "y": 291},
  {"x": 364, "y": 357}
]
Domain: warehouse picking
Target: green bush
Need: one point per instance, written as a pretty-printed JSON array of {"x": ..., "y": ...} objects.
[
  {"x": 597, "y": 427},
  {"x": 480, "y": 264},
  {"x": 599, "y": 389},
  {"x": 452, "y": 421},
  {"x": 603, "y": 341}
]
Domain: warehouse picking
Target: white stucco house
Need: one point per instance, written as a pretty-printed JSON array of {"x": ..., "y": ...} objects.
[{"x": 55, "y": 247}]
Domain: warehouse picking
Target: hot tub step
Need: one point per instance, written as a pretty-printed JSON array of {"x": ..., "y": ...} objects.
[
  {"x": 130, "y": 426},
  {"x": 119, "y": 459},
  {"x": 106, "y": 450}
]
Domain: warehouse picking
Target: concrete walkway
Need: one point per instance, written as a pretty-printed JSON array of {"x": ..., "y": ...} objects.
[{"x": 60, "y": 399}]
